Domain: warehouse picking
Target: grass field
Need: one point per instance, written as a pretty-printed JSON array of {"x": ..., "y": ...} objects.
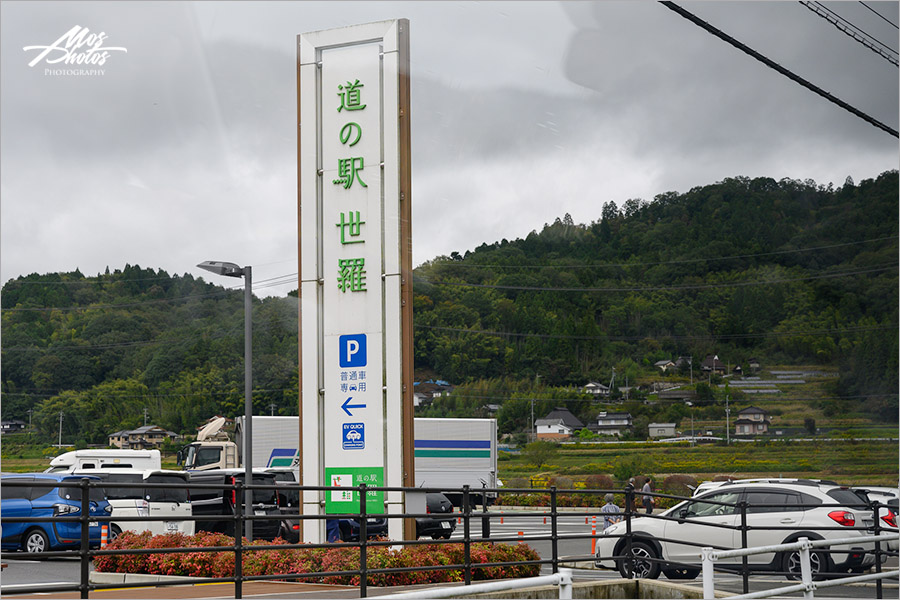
[{"x": 871, "y": 462}]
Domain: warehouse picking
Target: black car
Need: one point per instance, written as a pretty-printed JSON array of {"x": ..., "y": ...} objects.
[
  {"x": 219, "y": 503},
  {"x": 437, "y": 528},
  {"x": 288, "y": 502}
]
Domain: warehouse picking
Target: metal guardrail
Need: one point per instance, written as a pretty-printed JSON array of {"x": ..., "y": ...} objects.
[
  {"x": 804, "y": 545},
  {"x": 563, "y": 579},
  {"x": 553, "y": 496}
]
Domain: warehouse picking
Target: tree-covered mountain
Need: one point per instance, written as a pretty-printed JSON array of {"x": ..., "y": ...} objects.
[{"x": 783, "y": 271}]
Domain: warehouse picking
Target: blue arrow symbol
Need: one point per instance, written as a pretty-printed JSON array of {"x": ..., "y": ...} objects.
[{"x": 346, "y": 406}]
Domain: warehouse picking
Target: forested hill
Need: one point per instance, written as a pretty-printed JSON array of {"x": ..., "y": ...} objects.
[{"x": 783, "y": 271}]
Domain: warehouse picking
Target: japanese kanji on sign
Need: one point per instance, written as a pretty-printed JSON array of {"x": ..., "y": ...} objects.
[{"x": 355, "y": 269}]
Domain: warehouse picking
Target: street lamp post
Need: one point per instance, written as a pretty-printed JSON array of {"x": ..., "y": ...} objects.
[{"x": 232, "y": 270}]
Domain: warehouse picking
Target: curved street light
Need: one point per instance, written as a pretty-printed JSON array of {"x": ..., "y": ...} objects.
[{"x": 232, "y": 270}]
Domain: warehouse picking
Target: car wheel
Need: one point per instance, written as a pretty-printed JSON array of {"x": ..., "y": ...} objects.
[
  {"x": 683, "y": 573},
  {"x": 114, "y": 532},
  {"x": 818, "y": 565},
  {"x": 36, "y": 541},
  {"x": 642, "y": 567}
]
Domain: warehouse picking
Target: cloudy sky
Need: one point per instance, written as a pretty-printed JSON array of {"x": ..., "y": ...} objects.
[{"x": 184, "y": 149}]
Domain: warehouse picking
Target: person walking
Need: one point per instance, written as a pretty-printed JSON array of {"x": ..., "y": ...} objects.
[
  {"x": 648, "y": 499},
  {"x": 629, "y": 497},
  {"x": 610, "y": 510}
]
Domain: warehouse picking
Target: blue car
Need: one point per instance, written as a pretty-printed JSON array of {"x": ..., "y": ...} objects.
[{"x": 39, "y": 496}]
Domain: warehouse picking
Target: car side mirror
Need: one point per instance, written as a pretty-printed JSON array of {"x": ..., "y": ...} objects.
[{"x": 683, "y": 514}]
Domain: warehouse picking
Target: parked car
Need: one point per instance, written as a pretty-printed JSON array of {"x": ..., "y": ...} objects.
[
  {"x": 779, "y": 512},
  {"x": 169, "y": 507},
  {"x": 41, "y": 495},
  {"x": 436, "y": 527},
  {"x": 218, "y": 503},
  {"x": 375, "y": 527}
]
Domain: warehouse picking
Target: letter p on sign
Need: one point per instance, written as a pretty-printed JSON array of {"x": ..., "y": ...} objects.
[{"x": 353, "y": 350}]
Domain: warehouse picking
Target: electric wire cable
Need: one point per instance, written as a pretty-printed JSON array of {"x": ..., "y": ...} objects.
[
  {"x": 773, "y": 65},
  {"x": 852, "y": 31},
  {"x": 885, "y": 19}
]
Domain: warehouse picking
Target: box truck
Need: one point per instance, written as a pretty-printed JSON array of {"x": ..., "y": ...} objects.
[{"x": 449, "y": 453}]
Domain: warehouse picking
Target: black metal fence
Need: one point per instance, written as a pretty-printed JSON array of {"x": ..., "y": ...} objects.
[{"x": 635, "y": 552}]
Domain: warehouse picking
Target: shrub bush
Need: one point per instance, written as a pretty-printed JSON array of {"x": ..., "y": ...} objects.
[
  {"x": 679, "y": 485},
  {"x": 599, "y": 482},
  {"x": 275, "y": 560}
]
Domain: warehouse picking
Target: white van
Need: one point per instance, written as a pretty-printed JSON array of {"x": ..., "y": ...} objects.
[
  {"x": 83, "y": 460},
  {"x": 170, "y": 507}
]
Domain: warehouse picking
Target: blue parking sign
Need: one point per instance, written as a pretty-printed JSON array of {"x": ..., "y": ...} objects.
[
  {"x": 353, "y": 350},
  {"x": 354, "y": 436}
]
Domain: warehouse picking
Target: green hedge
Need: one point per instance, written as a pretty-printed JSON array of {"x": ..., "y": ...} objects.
[{"x": 314, "y": 560}]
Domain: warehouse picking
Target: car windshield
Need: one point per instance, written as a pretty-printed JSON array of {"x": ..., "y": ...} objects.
[{"x": 169, "y": 494}]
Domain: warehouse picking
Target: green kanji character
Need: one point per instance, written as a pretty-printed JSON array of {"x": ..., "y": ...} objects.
[
  {"x": 351, "y": 274},
  {"x": 348, "y": 171},
  {"x": 351, "y": 225},
  {"x": 350, "y": 96}
]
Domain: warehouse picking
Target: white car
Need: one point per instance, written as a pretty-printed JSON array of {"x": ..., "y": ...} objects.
[{"x": 777, "y": 512}]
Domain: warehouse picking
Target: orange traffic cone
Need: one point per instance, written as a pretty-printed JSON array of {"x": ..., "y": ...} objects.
[
  {"x": 104, "y": 536},
  {"x": 594, "y": 535}
]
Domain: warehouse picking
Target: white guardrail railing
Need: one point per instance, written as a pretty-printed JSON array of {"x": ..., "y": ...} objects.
[
  {"x": 563, "y": 579},
  {"x": 807, "y": 585}
]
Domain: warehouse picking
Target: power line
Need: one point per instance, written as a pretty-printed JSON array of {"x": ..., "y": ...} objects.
[
  {"x": 666, "y": 262},
  {"x": 637, "y": 338},
  {"x": 525, "y": 288},
  {"x": 885, "y": 19},
  {"x": 773, "y": 65},
  {"x": 851, "y": 30}
]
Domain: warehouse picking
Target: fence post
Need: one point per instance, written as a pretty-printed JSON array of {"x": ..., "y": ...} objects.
[
  {"x": 363, "y": 541},
  {"x": 745, "y": 570},
  {"x": 85, "y": 536},
  {"x": 629, "y": 551},
  {"x": 879, "y": 592},
  {"x": 467, "y": 550},
  {"x": 565, "y": 584},
  {"x": 485, "y": 519},
  {"x": 805, "y": 569},
  {"x": 709, "y": 573},
  {"x": 554, "y": 538},
  {"x": 238, "y": 539}
]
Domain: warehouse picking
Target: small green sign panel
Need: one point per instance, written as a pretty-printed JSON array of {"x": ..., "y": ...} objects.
[{"x": 347, "y": 501}]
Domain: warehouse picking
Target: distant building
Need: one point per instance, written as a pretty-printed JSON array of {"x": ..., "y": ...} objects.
[
  {"x": 596, "y": 388},
  {"x": 753, "y": 364},
  {"x": 664, "y": 365},
  {"x": 751, "y": 421},
  {"x": 148, "y": 436},
  {"x": 712, "y": 363},
  {"x": 559, "y": 424},
  {"x": 12, "y": 426},
  {"x": 661, "y": 430},
  {"x": 612, "y": 423}
]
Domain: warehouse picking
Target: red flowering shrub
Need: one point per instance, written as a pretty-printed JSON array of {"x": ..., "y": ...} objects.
[{"x": 268, "y": 558}]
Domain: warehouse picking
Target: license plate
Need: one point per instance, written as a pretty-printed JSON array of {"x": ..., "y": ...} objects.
[
  {"x": 371, "y": 521},
  {"x": 445, "y": 524},
  {"x": 93, "y": 524},
  {"x": 259, "y": 512},
  {"x": 171, "y": 526}
]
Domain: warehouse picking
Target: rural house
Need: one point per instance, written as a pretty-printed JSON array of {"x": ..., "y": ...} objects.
[
  {"x": 751, "y": 421},
  {"x": 661, "y": 430},
  {"x": 612, "y": 423},
  {"x": 664, "y": 365},
  {"x": 712, "y": 363},
  {"x": 148, "y": 436},
  {"x": 559, "y": 424},
  {"x": 595, "y": 388}
]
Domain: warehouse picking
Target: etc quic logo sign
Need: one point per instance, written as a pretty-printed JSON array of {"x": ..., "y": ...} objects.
[{"x": 75, "y": 49}]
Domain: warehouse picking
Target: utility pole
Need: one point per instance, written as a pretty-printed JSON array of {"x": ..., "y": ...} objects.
[
  {"x": 727, "y": 421},
  {"x": 30, "y": 412},
  {"x": 272, "y": 410},
  {"x": 59, "y": 443},
  {"x": 145, "y": 416},
  {"x": 691, "y": 362}
]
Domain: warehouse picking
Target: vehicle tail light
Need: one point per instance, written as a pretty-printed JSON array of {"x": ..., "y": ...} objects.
[
  {"x": 427, "y": 509},
  {"x": 843, "y": 517},
  {"x": 890, "y": 519},
  {"x": 233, "y": 492},
  {"x": 65, "y": 509},
  {"x": 296, "y": 527}
]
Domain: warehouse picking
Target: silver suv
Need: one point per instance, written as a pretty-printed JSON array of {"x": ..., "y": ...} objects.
[{"x": 778, "y": 511}]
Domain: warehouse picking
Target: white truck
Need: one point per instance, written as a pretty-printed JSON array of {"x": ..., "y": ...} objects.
[
  {"x": 83, "y": 460},
  {"x": 449, "y": 453}
]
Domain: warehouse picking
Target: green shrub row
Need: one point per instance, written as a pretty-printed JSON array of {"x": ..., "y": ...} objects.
[{"x": 314, "y": 560}]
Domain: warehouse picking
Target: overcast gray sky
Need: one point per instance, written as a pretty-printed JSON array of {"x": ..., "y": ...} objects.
[{"x": 184, "y": 149}]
